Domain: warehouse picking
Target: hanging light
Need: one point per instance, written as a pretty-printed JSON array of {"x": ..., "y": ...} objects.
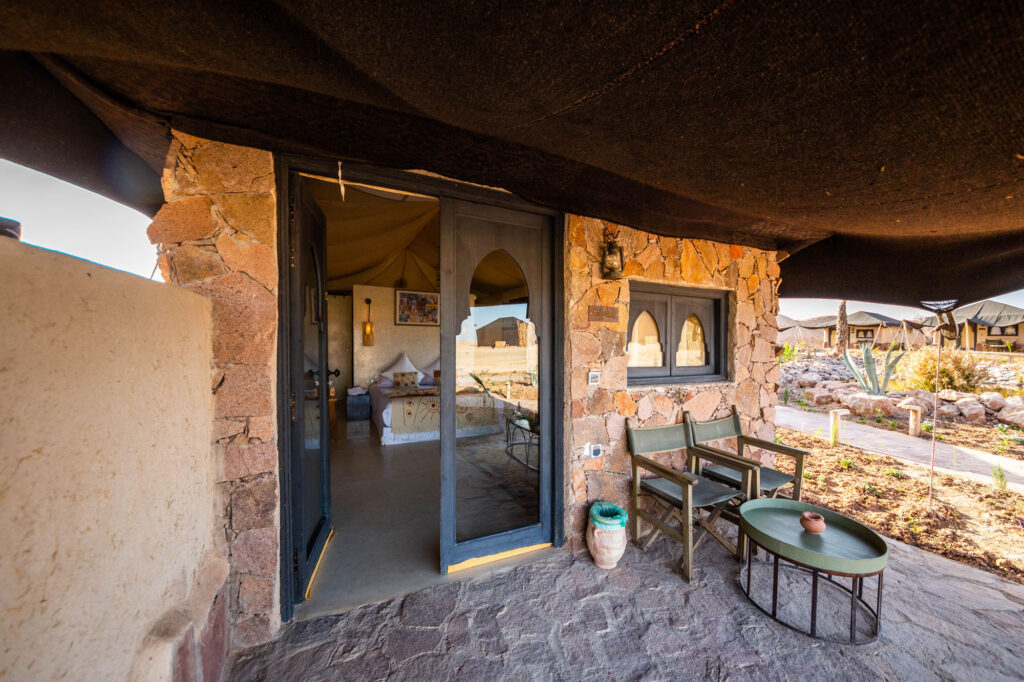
[
  {"x": 368, "y": 327},
  {"x": 611, "y": 262}
]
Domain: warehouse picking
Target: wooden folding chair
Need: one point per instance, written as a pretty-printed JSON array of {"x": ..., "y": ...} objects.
[
  {"x": 770, "y": 480},
  {"x": 682, "y": 494}
]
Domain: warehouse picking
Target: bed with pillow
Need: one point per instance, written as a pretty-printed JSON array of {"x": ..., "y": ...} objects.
[{"x": 405, "y": 405}]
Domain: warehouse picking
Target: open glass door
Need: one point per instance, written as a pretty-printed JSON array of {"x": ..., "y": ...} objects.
[
  {"x": 496, "y": 368},
  {"x": 310, "y": 441}
]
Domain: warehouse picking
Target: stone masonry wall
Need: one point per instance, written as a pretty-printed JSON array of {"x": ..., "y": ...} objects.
[
  {"x": 600, "y": 414},
  {"x": 216, "y": 237}
]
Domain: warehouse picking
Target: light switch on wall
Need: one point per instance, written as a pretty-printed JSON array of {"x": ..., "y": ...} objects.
[{"x": 594, "y": 378}]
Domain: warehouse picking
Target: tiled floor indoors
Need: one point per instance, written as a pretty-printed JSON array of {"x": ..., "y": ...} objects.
[
  {"x": 386, "y": 512},
  {"x": 562, "y": 618}
]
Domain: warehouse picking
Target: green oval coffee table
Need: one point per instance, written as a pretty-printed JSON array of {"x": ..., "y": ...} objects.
[{"x": 846, "y": 548}]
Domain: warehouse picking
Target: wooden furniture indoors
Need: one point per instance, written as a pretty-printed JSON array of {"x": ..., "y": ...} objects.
[{"x": 683, "y": 494}]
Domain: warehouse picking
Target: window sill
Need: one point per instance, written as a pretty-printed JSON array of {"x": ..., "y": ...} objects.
[{"x": 648, "y": 382}]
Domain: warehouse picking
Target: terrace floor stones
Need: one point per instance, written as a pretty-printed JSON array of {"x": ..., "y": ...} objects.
[{"x": 562, "y": 618}]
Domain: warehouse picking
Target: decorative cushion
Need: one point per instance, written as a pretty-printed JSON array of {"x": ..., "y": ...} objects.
[
  {"x": 406, "y": 379},
  {"x": 403, "y": 364},
  {"x": 430, "y": 371}
]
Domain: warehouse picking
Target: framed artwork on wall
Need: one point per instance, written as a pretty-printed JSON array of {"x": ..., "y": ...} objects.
[{"x": 417, "y": 308}]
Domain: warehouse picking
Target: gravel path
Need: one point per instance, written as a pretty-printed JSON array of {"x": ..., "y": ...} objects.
[{"x": 973, "y": 464}]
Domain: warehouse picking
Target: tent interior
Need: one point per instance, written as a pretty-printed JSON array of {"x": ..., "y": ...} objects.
[{"x": 382, "y": 261}]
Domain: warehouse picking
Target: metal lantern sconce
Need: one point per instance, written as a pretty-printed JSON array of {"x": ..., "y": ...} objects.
[
  {"x": 368, "y": 327},
  {"x": 611, "y": 261}
]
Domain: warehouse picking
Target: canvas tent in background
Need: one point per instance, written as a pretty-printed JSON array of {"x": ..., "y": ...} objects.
[
  {"x": 986, "y": 325},
  {"x": 801, "y": 128}
]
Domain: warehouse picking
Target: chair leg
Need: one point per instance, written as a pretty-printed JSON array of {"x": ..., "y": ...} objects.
[
  {"x": 708, "y": 527},
  {"x": 686, "y": 514},
  {"x": 655, "y": 532}
]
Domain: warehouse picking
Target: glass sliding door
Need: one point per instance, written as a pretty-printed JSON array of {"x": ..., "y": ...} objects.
[{"x": 495, "y": 387}]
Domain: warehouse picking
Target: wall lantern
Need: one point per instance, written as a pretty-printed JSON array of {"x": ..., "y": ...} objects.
[
  {"x": 611, "y": 262},
  {"x": 368, "y": 327}
]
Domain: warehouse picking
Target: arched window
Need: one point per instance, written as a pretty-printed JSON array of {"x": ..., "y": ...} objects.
[
  {"x": 644, "y": 349},
  {"x": 692, "y": 350}
]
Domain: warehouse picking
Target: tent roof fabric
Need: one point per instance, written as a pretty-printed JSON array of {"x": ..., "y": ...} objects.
[
  {"x": 880, "y": 144},
  {"x": 986, "y": 314},
  {"x": 783, "y": 322},
  {"x": 857, "y": 319}
]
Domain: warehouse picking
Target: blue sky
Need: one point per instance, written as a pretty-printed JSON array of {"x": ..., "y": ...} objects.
[{"x": 63, "y": 217}]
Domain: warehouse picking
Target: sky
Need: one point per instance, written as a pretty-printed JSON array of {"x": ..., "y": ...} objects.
[
  {"x": 63, "y": 217},
  {"x": 60, "y": 216}
]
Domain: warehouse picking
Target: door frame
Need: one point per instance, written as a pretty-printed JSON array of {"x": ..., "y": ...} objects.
[{"x": 436, "y": 186}]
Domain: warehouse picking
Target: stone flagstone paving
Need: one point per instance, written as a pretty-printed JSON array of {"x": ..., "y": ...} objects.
[{"x": 562, "y": 618}]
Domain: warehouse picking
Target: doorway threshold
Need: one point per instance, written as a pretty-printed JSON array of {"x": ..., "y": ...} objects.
[{"x": 393, "y": 584}]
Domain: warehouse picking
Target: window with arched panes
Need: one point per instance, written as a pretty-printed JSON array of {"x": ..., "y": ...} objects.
[{"x": 676, "y": 334}]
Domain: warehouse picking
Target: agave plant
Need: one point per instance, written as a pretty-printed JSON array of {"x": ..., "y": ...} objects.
[{"x": 868, "y": 380}]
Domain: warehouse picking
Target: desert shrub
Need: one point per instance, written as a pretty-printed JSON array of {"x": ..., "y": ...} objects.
[{"x": 959, "y": 372}]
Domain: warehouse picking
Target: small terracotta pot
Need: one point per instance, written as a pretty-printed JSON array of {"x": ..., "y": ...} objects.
[
  {"x": 606, "y": 546},
  {"x": 813, "y": 523}
]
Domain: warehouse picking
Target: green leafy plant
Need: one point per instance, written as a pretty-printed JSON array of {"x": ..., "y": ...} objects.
[
  {"x": 808, "y": 475},
  {"x": 845, "y": 463},
  {"x": 533, "y": 378},
  {"x": 788, "y": 354},
  {"x": 785, "y": 396},
  {"x": 777, "y": 439},
  {"x": 862, "y": 420},
  {"x": 869, "y": 379},
  {"x": 1002, "y": 428},
  {"x": 895, "y": 473},
  {"x": 802, "y": 403},
  {"x": 998, "y": 477},
  {"x": 1009, "y": 346},
  {"x": 927, "y": 426},
  {"x": 821, "y": 481},
  {"x": 960, "y": 370},
  {"x": 870, "y": 489}
]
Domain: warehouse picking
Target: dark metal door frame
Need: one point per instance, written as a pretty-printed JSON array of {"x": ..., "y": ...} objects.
[
  {"x": 460, "y": 255},
  {"x": 284, "y": 165}
]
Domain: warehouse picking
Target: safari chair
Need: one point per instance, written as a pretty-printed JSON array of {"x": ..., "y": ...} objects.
[
  {"x": 682, "y": 494},
  {"x": 770, "y": 481}
]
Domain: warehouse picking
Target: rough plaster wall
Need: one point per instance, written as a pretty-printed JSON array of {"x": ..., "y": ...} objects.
[
  {"x": 217, "y": 236},
  {"x": 339, "y": 340},
  {"x": 423, "y": 344},
  {"x": 108, "y": 488},
  {"x": 600, "y": 414}
]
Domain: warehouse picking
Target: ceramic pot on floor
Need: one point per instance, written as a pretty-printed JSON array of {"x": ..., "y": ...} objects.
[{"x": 606, "y": 533}]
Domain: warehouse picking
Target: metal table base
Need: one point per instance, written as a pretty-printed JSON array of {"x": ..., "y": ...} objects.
[{"x": 856, "y": 592}]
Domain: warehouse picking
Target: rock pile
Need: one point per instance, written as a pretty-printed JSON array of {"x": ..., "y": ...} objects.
[{"x": 825, "y": 381}]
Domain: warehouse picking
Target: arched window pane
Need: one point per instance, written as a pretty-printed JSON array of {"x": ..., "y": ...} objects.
[
  {"x": 644, "y": 349},
  {"x": 691, "y": 351}
]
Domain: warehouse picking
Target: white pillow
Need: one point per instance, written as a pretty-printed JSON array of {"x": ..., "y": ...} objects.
[
  {"x": 428, "y": 372},
  {"x": 403, "y": 364}
]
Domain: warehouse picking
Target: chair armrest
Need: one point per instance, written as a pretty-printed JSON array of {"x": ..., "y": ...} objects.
[
  {"x": 774, "y": 447},
  {"x": 723, "y": 458},
  {"x": 680, "y": 477}
]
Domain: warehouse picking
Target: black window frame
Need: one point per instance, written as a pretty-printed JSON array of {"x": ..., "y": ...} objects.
[
  {"x": 671, "y": 306},
  {"x": 864, "y": 334},
  {"x": 1001, "y": 330}
]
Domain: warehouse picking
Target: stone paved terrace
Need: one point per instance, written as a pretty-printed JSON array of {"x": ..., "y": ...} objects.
[{"x": 562, "y": 618}]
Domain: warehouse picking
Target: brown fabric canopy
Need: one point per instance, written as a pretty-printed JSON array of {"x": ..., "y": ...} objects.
[{"x": 881, "y": 143}]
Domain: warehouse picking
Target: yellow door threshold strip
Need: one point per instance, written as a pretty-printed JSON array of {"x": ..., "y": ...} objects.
[
  {"x": 312, "y": 577},
  {"x": 479, "y": 561}
]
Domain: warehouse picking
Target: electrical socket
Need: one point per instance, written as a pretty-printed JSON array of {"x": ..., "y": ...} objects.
[
  {"x": 594, "y": 378},
  {"x": 592, "y": 450}
]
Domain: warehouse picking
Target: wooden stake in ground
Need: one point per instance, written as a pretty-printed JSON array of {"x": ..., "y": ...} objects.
[{"x": 935, "y": 413}]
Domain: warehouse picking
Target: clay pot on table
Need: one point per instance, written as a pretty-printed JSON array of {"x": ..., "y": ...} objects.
[
  {"x": 606, "y": 533},
  {"x": 812, "y": 522}
]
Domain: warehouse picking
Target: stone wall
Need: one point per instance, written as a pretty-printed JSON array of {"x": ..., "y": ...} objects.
[
  {"x": 217, "y": 237},
  {"x": 600, "y": 414}
]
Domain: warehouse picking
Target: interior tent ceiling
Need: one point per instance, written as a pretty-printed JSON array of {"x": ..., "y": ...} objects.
[
  {"x": 880, "y": 143},
  {"x": 387, "y": 238}
]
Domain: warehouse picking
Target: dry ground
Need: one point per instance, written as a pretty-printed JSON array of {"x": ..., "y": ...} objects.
[{"x": 969, "y": 522}]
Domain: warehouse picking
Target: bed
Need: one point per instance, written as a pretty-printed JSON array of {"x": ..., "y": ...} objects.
[{"x": 410, "y": 415}]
